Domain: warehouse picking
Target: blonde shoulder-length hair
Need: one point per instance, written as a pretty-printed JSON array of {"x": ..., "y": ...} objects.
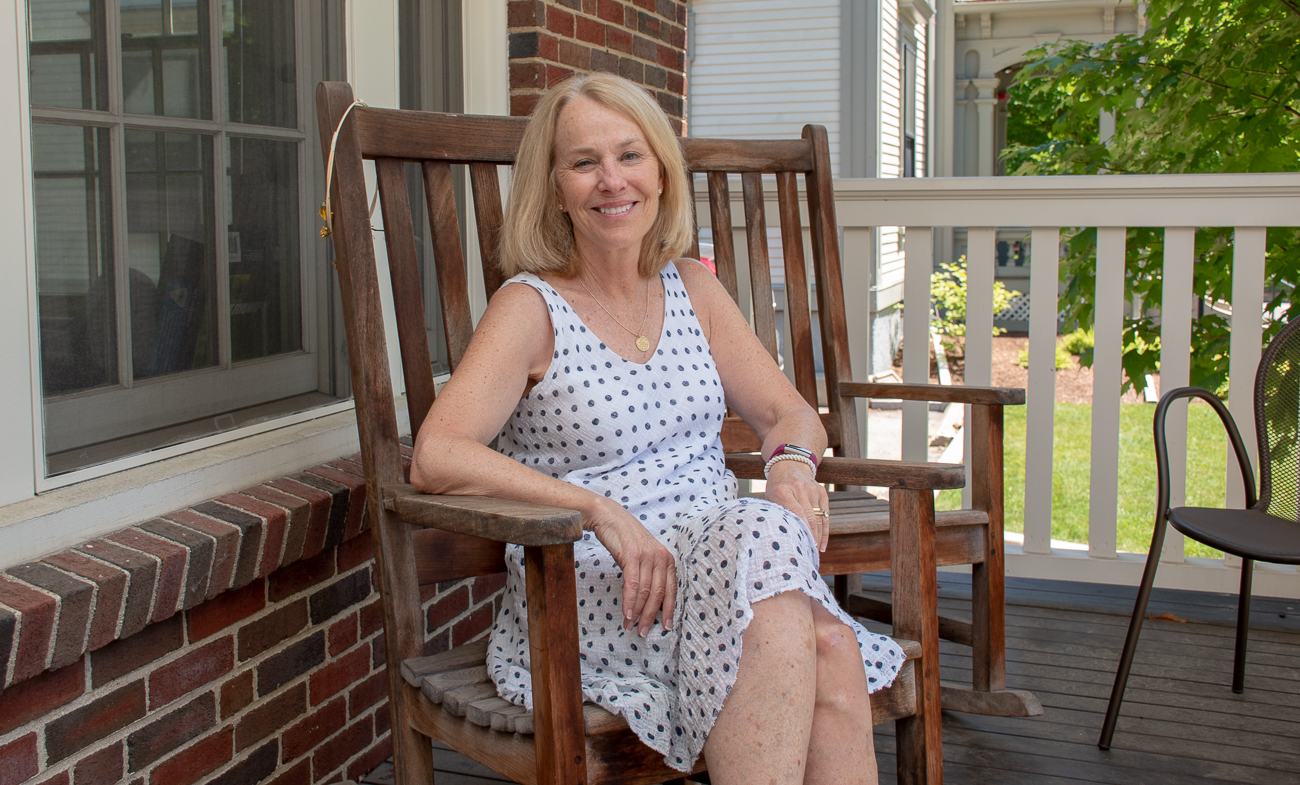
[{"x": 537, "y": 236}]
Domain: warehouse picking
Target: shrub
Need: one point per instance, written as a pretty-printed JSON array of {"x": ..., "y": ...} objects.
[
  {"x": 948, "y": 289},
  {"x": 1063, "y": 358},
  {"x": 1077, "y": 342}
]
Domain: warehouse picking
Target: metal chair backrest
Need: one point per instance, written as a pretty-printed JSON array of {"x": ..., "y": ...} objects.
[{"x": 1277, "y": 424}]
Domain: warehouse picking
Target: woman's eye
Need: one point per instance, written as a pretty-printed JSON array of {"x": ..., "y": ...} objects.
[
  {"x": 585, "y": 164},
  {"x": 631, "y": 156}
]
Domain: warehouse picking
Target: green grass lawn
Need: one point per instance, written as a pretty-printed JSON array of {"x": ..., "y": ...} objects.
[{"x": 1137, "y": 472}]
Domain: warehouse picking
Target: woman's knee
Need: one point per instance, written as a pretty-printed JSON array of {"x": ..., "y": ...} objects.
[{"x": 837, "y": 646}]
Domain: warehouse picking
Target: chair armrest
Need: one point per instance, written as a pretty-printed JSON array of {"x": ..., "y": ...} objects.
[
  {"x": 946, "y": 393},
  {"x": 865, "y": 471},
  {"x": 502, "y": 520}
]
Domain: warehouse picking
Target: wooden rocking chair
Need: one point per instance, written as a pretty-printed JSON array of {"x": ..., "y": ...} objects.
[{"x": 422, "y": 539}]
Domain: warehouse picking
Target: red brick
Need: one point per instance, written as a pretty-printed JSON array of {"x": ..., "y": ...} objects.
[
  {"x": 19, "y": 758},
  {"x": 338, "y": 675},
  {"x": 275, "y": 627},
  {"x": 236, "y": 694},
  {"x": 298, "y": 775},
  {"x": 354, "y": 552},
  {"x": 472, "y": 625},
  {"x": 299, "y": 512},
  {"x": 378, "y": 648},
  {"x": 170, "y": 731},
  {"x": 574, "y": 55},
  {"x": 356, "y": 494},
  {"x": 525, "y": 13},
  {"x": 271, "y": 717},
  {"x": 341, "y": 748},
  {"x": 252, "y": 537},
  {"x": 677, "y": 37},
  {"x": 372, "y": 618},
  {"x": 370, "y": 760},
  {"x": 318, "y": 726},
  {"x": 343, "y": 635},
  {"x": 448, "y": 608},
  {"x": 318, "y": 524},
  {"x": 35, "y": 697},
  {"x": 192, "y": 763},
  {"x": 199, "y": 549},
  {"x": 523, "y": 105},
  {"x": 171, "y": 570},
  {"x": 109, "y": 596},
  {"x": 559, "y": 21},
  {"x": 610, "y": 11},
  {"x": 383, "y": 721},
  {"x": 526, "y": 75},
  {"x": 143, "y": 570},
  {"x": 485, "y": 586},
  {"x": 289, "y": 580},
  {"x": 76, "y": 600},
  {"x": 672, "y": 58},
  {"x": 367, "y": 693},
  {"x": 548, "y": 47},
  {"x": 138, "y": 651},
  {"x": 350, "y": 466},
  {"x": 97, "y": 720},
  {"x": 215, "y": 615},
  {"x": 648, "y": 5},
  {"x": 676, "y": 83},
  {"x": 37, "y": 634},
  {"x": 105, "y": 767},
  {"x": 293, "y": 661},
  {"x": 276, "y": 521},
  {"x": 190, "y": 672},
  {"x": 649, "y": 25},
  {"x": 589, "y": 7},
  {"x": 556, "y": 74},
  {"x": 591, "y": 31},
  {"x": 225, "y": 551},
  {"x": 629, "y": 17},
  {"x": 644, "y": 48},
  {"x": 618, "y": 38}
]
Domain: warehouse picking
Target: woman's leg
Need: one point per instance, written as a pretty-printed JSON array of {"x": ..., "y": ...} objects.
[
  {"x": 761, "y": 735},
  {"x": 840, "y": 748}
]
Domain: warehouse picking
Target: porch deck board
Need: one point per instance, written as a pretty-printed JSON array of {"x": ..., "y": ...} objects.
[{"x": 1180, "y": 722}]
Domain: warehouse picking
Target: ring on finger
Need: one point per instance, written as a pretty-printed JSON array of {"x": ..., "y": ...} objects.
[{"x": 818, "y": 511}]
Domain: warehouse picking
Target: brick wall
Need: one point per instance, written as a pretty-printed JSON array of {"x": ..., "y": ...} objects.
[
  {"x": 237, "y": 641},
  {"x": 643, "y": 40}
]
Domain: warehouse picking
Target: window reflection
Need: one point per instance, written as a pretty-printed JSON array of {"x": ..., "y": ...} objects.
[
  {"x": 74, "y": 268},
  {"x": 66, "y": 55},
  {"x": 169, "y": 240},
  {"x": 262, "y": 244},
  {"x": 164, "y": 58},
  {"x": 259, "y": 58}
]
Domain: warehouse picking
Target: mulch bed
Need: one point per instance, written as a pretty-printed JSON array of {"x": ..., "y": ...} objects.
[{"x": 1073, "y": 385}]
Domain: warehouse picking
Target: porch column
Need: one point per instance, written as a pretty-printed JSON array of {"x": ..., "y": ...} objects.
[{"x": 985, "y": 102}]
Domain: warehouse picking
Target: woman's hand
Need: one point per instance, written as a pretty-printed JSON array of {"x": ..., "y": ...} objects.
[
  {"x": 791, "y": 485},
  {"x": 649, "y": 572}
]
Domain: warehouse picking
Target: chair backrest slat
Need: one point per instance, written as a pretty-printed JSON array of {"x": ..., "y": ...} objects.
[
  {"x": 489, "y": 217},
  {"x": 724, "y": 252},
  {"x": 694, "y": 251},
  {"x": 433, "y": 136},
  {"x": 448, "y": 258},
  {"x": 796, "y": 287},
  {"x": 760, "y": 271},
  {"x": 408, "y": 295}
]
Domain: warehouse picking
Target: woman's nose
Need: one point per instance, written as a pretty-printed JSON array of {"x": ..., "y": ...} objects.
[{"x": 611, "y": 179}]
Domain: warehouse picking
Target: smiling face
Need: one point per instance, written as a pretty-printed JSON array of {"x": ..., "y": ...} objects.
[{"x": 607, "y": 178}]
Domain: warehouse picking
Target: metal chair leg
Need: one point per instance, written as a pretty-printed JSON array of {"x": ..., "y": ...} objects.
[
  {"x": 1243, "y": 627},
  {"x": 1130, "y": 642}
]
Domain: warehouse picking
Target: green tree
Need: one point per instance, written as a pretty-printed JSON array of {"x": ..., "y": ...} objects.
[{"x": 1211, "y": 86}]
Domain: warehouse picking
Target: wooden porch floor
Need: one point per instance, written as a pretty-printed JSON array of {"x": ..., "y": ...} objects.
[{"x": 1180, "y": 722}]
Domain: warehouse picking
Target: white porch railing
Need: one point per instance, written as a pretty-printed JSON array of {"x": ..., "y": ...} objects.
[{"x": 1251, "y": 203}]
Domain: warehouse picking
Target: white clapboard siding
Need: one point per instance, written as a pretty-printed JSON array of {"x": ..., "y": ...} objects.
[{"x": 765, "y": 68}]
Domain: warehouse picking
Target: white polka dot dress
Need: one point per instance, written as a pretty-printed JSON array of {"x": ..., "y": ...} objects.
[{"x": 648, "y": 435}]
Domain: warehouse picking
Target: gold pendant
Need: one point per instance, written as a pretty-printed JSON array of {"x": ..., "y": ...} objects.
[{"x": 643, "y": 343}]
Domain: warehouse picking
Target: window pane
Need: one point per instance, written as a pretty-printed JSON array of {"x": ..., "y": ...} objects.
[
  {"x": 67, "y": 53},
  {"x": 164, "y": 58},
  {"x": 169, "y": 241},
  {"x": 260, "y": 63},
  {"x": 262, "y": 243},
  {"x": 74, "y": 258}
]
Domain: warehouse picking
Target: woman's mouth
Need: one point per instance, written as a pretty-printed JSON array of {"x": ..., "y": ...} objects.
[{"x": 619, "y": 210}]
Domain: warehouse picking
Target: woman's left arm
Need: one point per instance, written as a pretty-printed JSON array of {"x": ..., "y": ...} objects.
[{"x": 761, "y": 394}]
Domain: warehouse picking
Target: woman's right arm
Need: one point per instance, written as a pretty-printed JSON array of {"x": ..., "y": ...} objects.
[{"x": 513, "y": 345}]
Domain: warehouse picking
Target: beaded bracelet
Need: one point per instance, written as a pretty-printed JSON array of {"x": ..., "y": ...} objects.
[{"x": 788, "y": 456}]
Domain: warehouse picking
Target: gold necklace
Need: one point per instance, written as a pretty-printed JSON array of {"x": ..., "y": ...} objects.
[{"x": 642, "y": 342}]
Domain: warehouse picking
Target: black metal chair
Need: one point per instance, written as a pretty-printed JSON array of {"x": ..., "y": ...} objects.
[{"x": 1268, "y": 530}]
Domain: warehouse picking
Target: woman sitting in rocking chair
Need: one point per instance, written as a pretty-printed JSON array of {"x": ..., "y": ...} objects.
[{"x": 604, "y": 369}]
